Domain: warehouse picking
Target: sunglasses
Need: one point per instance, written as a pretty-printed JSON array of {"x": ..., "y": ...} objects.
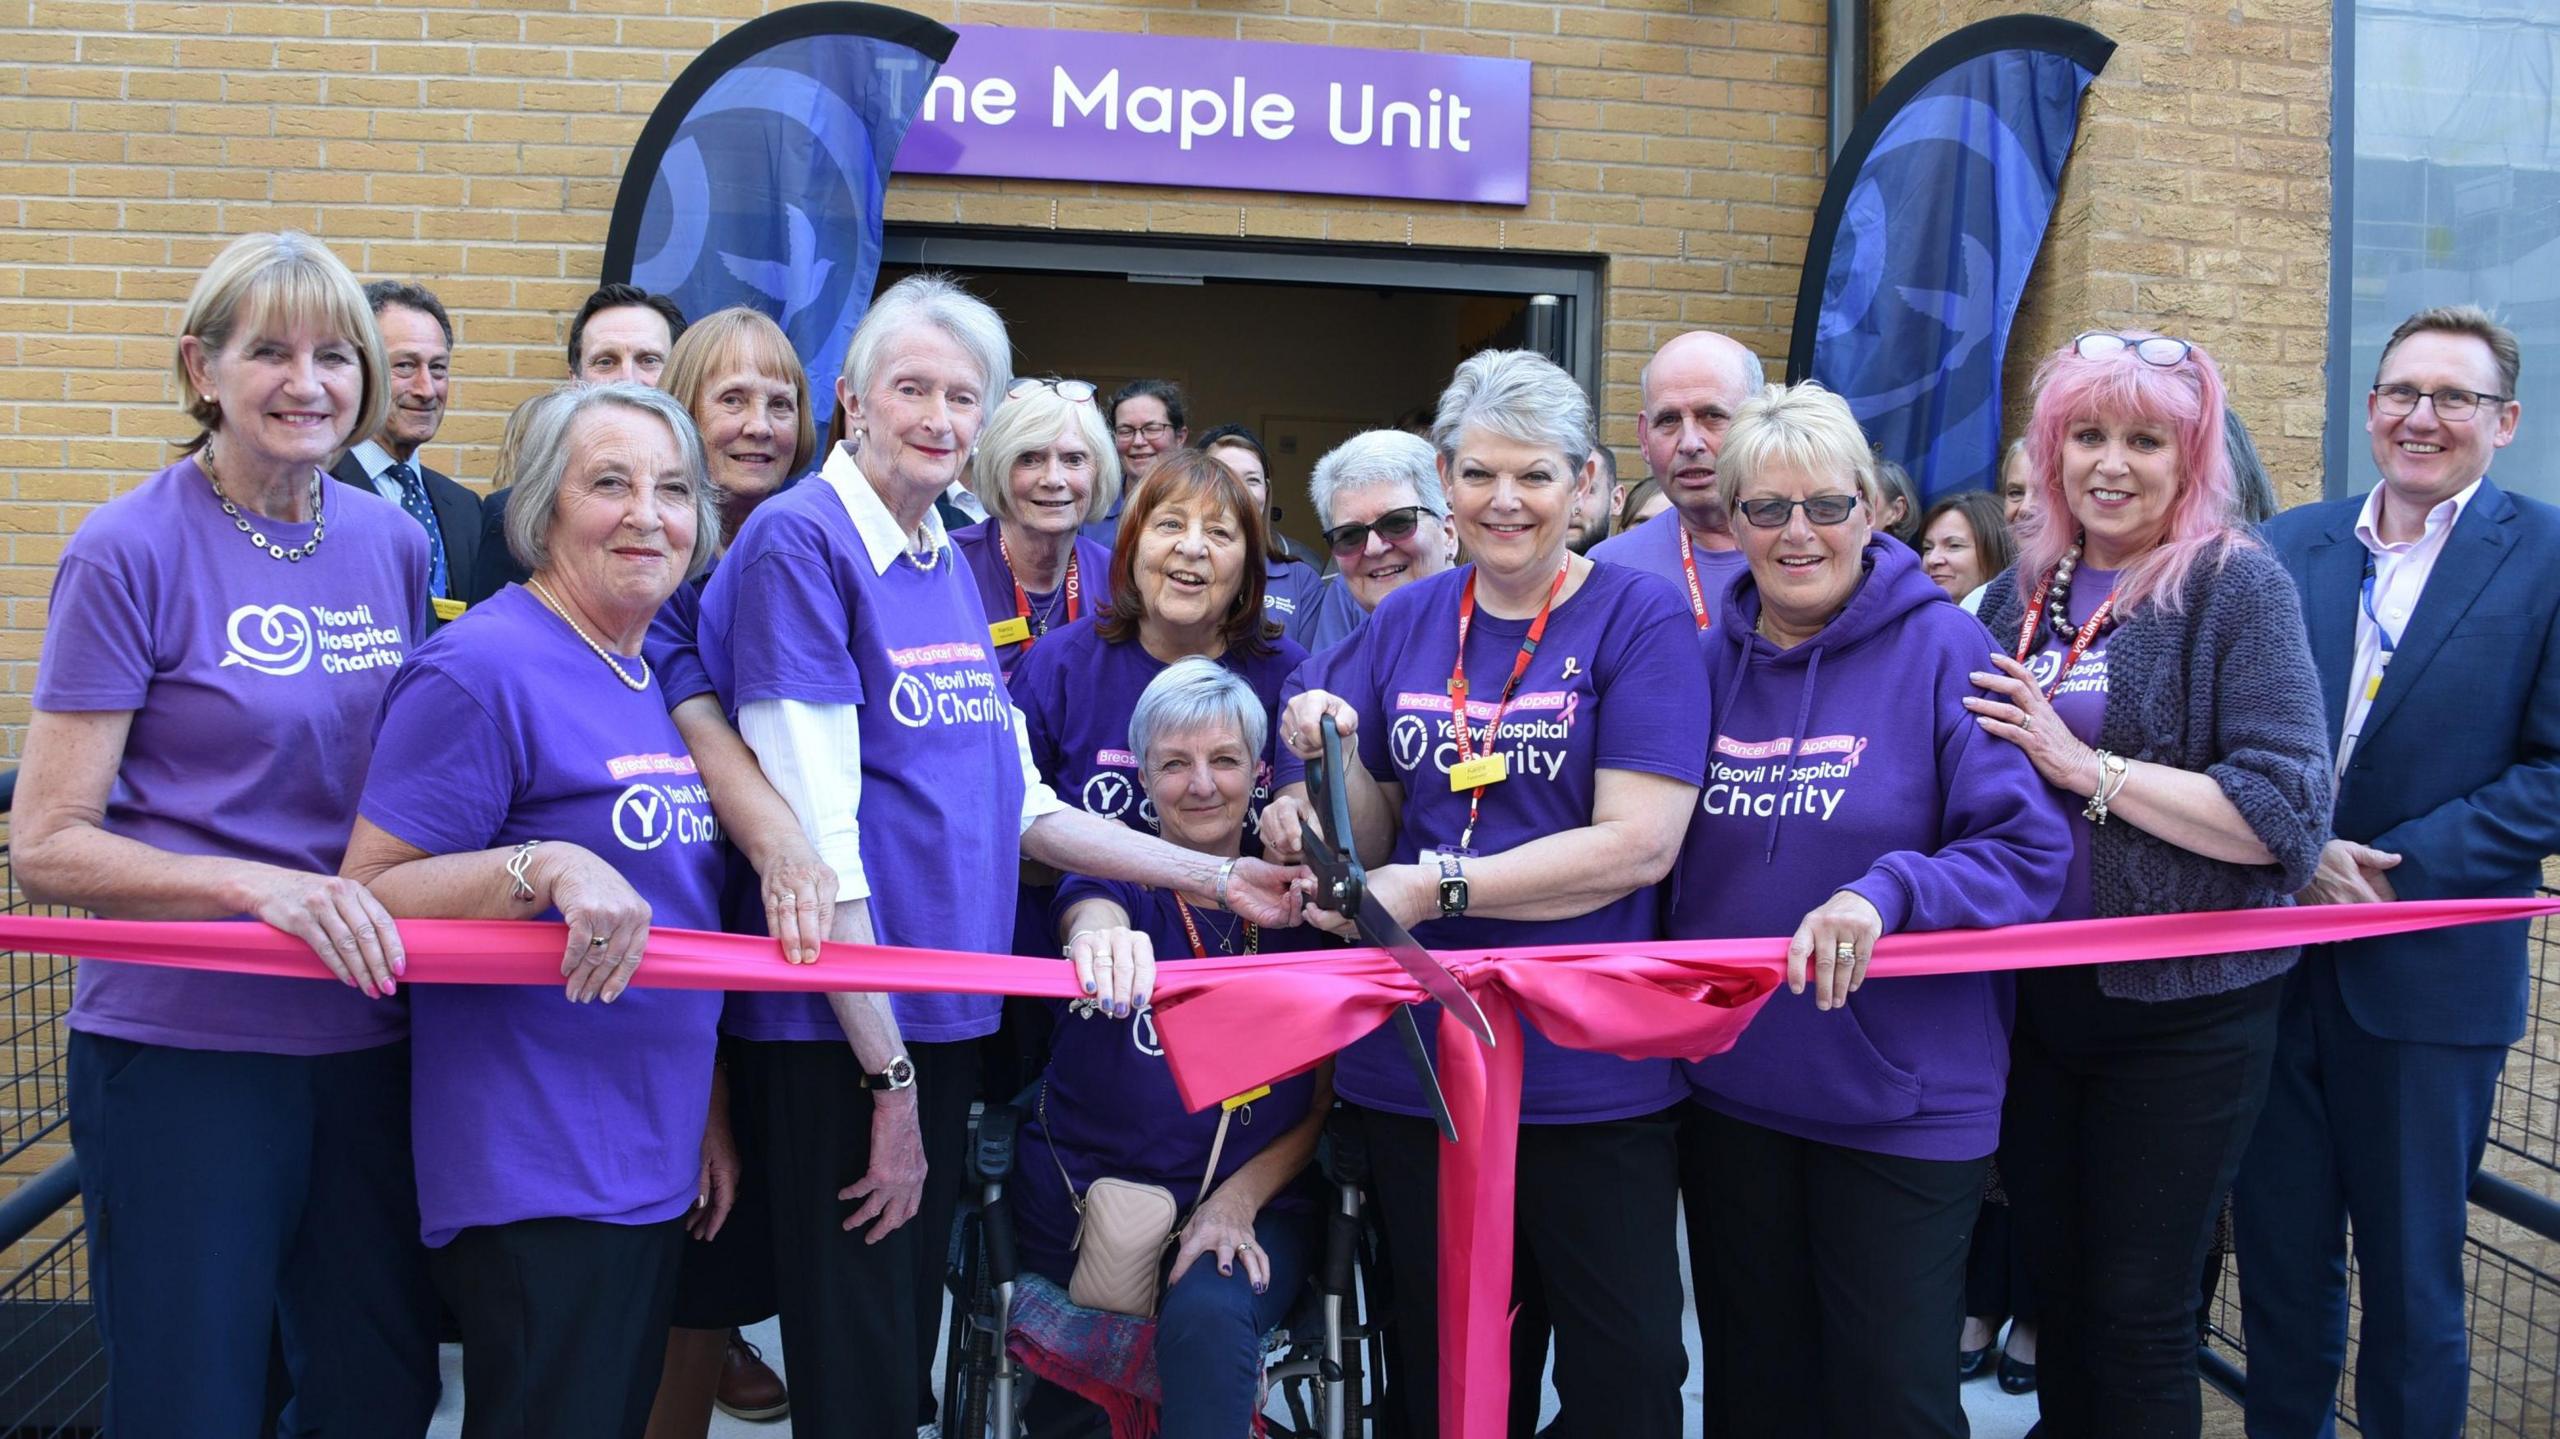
[
  {"x": 1820, "y": 510},
  {"x": 1394, "y": 525},
  {"x": 1072, "y": 391},
  {"x": 2150, "y": 349}
]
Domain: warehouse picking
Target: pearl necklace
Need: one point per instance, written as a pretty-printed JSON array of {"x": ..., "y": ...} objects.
[
  {"x": 2060, "y": 609},
  {"x": 300, "y": 552},
  {"x": 602, "y": 653}
]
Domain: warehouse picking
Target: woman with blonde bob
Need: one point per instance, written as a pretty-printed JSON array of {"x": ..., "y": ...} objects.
[
  {"x": 1045, "y": 469},
  {"x": 2151, "y": 663},
  {"x": 220, "y": 642},
  {"x": 1849, "y": 796}
]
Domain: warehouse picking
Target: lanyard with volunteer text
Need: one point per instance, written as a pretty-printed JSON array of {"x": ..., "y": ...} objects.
[
  {"x": 1252, "y": 934},
  {"x": 1018, "y": 630},
  {"x": 2382, "y": 637},
  {"x": 1689, "y": 566},
  {"x": 1471, "y": 773},
  {"x": 2088, "y": 635}
]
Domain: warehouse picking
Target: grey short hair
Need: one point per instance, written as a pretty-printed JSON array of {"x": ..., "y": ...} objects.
[
  {"x": 1030, "y": 421},
  {"x": 1520, "y": 395},
  {"x": 1377, "y": 457},
  {"x": 1805, "y": 427},
  {"x": 1191, "y": 693},
  {"x": 938, "y": 301},
  {"x": 541, "y": 463}
]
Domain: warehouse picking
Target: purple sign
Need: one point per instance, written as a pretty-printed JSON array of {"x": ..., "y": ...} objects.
[{"x": 1225, "y": 115}]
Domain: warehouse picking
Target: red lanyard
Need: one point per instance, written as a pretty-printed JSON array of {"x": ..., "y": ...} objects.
[
  {"x": 1022, "y": 600},
  {"x": 1519, "y": 667},
  {"x": 2080, "y": 642},
  {"x": 1252, "y": 934},
  {"x": 1689, "y": 564}
]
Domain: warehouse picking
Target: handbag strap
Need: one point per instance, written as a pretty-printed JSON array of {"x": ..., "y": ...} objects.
[{"x": 1217, "y": 1145}]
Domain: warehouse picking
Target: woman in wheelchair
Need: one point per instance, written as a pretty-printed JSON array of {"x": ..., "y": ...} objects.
[{"x": 1105, "y": 1112}]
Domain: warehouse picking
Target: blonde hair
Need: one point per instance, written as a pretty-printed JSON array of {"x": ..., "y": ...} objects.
[
  {"x": 725, "y": 339},
  {"x": 270, "y": 281},
  {"x": 1802, "y": 427},
  {"x": 1030, "y": 421}
]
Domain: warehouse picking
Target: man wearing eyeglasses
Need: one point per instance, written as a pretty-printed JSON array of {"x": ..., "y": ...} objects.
[
  {"x": 2432, "y": 621},
  {"x": 1691, "y": 389}
]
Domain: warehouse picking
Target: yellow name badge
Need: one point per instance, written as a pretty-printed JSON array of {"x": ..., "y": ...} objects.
[
  {"x": 1010, "y": 632},
  {"x": 1241, "y": 1100},
  {"x": 1483, "y": 769},
  {"x": 448, "y": 611}
]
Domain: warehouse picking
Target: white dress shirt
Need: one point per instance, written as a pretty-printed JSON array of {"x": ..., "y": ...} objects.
[
  {"x": 812, "y": 753},
  {"x": 377, "y": 463},
  {"x": 2400, "y": 573}
]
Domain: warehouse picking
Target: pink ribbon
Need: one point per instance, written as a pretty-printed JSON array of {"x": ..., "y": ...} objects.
[{"x": 1232, "y": 1024}]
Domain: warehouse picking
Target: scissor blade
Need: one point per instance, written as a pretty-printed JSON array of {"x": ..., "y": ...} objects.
[
  {"x": 1380, "y": 928},
  {"x": 1410, "y": 1030}
]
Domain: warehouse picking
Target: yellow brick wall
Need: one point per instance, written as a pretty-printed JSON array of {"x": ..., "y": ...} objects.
[
  {"x": 2196, "y": 201},
  {"x": 478, "y": 149}
]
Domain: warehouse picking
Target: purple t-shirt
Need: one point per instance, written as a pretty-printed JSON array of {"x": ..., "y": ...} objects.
[
  {"x": 1112, "y": 1105},
  {"x": 1049, "y": 609},
  {"x": 1077, "y": 691},
  {"x": 254, "y": 685},
  {"x": 1654, "y": 547},
  {"x": 525, "y": 1105},
  {"x": 2081, "y": 704},
  {"x": 674, "y": 654},
  {"x": 796, "y": 612},
  {"x": 1617, "y": 683},
  {"x": 1288, "y": 587}
]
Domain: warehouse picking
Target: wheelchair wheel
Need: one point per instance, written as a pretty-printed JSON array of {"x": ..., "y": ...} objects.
[{"x": 971, "y": 1349}]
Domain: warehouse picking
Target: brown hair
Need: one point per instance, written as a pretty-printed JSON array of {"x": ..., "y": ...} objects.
[
  {"x": 1188, "y": 474},
  {"x": 724, "y": 339},
  {"x": 2462, "y": 320}
]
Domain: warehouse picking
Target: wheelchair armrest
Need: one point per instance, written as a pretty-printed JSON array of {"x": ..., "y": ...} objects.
[
  {"x": 1343, "y": 1151},
  {"x": 992, "y": 1149}
]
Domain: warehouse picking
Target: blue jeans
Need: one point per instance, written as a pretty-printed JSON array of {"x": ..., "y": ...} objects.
[{"x": 1209, "y": 1332}]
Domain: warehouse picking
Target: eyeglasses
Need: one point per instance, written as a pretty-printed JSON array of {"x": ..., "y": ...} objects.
[
  {"x": 2150, "y": 349},
  {"x": 1154, "y": 430},
  {"x": 1072, "y": 391},
  {"x": 2450, "y": 404},
  {"x": 1394, "y": 525},
  {"x": 1820, "y": 510}
]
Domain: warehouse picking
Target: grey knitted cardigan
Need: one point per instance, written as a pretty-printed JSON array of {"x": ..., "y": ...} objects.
[{"x": 2224, "y": 686}]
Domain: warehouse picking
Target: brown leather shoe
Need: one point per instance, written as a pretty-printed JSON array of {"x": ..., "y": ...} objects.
[{"x": 749, "y": 1389}]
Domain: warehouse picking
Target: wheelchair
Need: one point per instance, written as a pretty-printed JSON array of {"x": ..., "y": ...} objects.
[{"x": 1315, "y": 1363}]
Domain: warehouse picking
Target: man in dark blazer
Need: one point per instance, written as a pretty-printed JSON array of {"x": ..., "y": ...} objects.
[
  {"x": 417, "y": 344},
  {"x": 2431, "y": 605}
]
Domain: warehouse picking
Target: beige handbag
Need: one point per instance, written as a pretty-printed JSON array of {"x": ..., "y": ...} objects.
[{"x": 1124, "y": 1231}]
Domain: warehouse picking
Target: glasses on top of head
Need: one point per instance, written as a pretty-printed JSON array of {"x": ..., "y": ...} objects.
[
  {"x": 1072, "y": 391},
  {"x": 1394, "y": 525},
  {"x": 1153, "y": 429},
  {"x": 1820, "y": 510},
  {"x": 2451, "y": 404},
  {"x": 2150, "y": 349}
]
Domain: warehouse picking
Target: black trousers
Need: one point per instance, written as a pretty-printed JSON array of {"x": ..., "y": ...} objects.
[
  {"x": 1595, "y": 1215},
  {"x": 1995, "y": 1273},
  {"x": 2125, "y": 1125},
  {"x": 1836, "y": 1282},
  {"x": 564, "y": 1324},
  {"x": 858, "y": 1319}
]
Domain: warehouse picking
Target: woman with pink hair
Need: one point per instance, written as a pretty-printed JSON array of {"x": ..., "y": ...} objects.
[{"x": 2152, "y": 663}]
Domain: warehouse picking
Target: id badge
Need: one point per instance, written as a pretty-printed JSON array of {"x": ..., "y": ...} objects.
[
  {"x": 447, "y": 611},
  {"x": 1009, "y": 632},
  {"x": 1482, "y": 770}
]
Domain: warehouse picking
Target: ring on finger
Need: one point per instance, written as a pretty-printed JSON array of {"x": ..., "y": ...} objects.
[
  {"x": 1845, "y": 949},
  {"x": 596, "y": 943}
]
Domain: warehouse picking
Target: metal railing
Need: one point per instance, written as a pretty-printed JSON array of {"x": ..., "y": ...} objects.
[
  {"x": 51, "y": 1374},
  {"x": 2511, "y": 1261}
]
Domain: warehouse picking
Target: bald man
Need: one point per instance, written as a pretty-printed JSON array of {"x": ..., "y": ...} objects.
[{"x": 1691, "y": 388}]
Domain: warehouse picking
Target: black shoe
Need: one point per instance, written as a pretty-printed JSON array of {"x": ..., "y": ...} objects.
[
  {"x": 2017, "y": 1376},
  {"x": 1969, "y": 1362}
]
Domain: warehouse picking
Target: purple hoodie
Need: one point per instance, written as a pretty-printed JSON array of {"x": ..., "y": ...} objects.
[{"x": 1850, "y": 762}]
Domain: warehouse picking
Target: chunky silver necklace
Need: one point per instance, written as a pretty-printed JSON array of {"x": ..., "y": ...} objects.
[
  {"x": 2060, "y": 607},
  {"x": 300, "y": 552},
  {"x": 602, "y": 653}
]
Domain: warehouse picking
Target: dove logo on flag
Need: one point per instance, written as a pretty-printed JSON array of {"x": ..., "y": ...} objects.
[{"x": 759, "y": 179}]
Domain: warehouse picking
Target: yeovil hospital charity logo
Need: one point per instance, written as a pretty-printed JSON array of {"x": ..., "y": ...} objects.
[{"x": 282, "y": 639}]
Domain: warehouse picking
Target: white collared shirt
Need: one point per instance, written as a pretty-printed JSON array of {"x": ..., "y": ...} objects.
[
  {"x": 376, "y": 462},
  {"x": 966, "y": 501},
  {"x": 812, "y": 753},
  {"x": 2400, "y": 574}
]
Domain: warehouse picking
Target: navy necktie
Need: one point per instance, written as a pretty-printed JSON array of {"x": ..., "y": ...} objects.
[{"x": 413, "y": 498}]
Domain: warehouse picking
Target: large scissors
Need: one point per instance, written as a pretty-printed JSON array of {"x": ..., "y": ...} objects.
[{"x": 1342, "y": 887}]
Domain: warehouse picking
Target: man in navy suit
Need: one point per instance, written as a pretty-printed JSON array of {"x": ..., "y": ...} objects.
[
  {"x": 2431, "y": 607},
  {"x": 417, "y": 344}
]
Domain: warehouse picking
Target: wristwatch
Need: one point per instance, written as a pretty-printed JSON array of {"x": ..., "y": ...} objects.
[
  {"x": 901, "y": 1074},
  {"x": 1453, "y": 888}
]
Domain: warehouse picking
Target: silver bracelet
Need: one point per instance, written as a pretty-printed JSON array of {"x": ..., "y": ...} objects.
[
  {"x": 516, "y": 863},
  {"x": 1226, "y": 872}
]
